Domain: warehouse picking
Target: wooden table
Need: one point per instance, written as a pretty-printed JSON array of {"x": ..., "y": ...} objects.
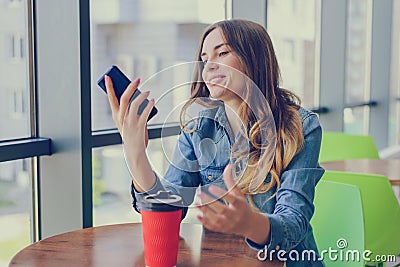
[
  {"x": 122, "y": 245},
  {"x": 387, "y": 167}
]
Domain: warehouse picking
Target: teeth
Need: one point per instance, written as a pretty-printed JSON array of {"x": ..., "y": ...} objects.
[{"x": 215, "y": 79}]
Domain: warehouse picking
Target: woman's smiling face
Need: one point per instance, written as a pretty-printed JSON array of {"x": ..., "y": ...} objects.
[{"x": 222, "y": 71}]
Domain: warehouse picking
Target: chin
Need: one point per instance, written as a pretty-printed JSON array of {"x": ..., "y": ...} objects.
[{"x": 217, "y": 92}]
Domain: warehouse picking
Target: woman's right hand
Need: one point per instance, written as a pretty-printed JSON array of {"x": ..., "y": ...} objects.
[
  {"x": 131, "y": 126},
  {"x": 133, "y": 130}
]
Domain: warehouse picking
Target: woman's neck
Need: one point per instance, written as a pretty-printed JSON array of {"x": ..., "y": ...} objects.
[{"x": 233, "y": 117}]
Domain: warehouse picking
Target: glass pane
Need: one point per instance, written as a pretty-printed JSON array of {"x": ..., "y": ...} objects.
[
  {"x": 15, "y": 208},
  {"x": 394, "y": 115},
  {"x": 295, "y": 40},
  {"x": 144, "y": 37},
  {"x": 14, "y": 88},
  {"x": 358, "y": 40},
  {"x": 111, "y": 181},
  {"x": 353, "y": 120}
]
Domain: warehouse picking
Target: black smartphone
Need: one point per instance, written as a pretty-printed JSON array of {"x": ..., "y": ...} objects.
[{"x": 120, "y": 83}]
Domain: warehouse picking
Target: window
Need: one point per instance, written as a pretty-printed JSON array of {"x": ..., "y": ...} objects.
[
  {"x": 17, "y": 46},
  {"x": 295, "y": 38},
  {"x": 143, "y": 38},
  {"x": 124, "y": 38},
  {"x": 14, "y": 89},
  {"x": 111, "y": 180},
  {"x": 15, "y": 207},
  {"x": 18, "y": 104},
  {"x": 358, "y": 67},
  {"x": 112, "y": 202},
  {"x": 394, "y": 114},
  {"x": 17, "y": 177}
]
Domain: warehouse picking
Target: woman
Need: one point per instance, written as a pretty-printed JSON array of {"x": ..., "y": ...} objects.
[{"x": 267, "y": 200}]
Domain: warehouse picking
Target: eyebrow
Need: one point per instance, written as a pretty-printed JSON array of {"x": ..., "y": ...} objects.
[{"x": 215, "y": 48}]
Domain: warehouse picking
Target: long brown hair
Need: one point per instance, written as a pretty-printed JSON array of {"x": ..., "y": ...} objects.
[{"x": 252, "y": 44}]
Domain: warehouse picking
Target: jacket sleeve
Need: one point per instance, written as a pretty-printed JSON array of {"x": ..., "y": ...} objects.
[
  {"x": 182, "y": 176},
  {"x": 294, "y": 199}
]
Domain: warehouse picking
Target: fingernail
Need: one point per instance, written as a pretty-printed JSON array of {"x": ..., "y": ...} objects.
[
  {"x": 152, "y": 100},
  {"x": 137, "y": 80},
  {"x": 106, "y": 78}
]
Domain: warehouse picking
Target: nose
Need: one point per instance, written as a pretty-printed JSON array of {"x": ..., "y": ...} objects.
[{"x": 210, "y": 65}]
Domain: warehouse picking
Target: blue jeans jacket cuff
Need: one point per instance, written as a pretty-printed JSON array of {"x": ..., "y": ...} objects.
[
  {"x": 137, "y": 196},
  {"x": 254, "y": 245},
  {"x": 277, "y": 233}
]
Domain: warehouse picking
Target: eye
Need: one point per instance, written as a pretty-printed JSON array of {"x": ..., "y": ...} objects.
[{"x": 223, "y": 53}]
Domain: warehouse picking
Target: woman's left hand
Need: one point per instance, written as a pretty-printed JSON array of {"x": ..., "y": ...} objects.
[{"x": 233, "y": 218}]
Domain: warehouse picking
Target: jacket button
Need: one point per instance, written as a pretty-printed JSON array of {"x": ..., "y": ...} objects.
[
  {"x": 277, "y": 247},
  {"x": 209, "y": 177}
]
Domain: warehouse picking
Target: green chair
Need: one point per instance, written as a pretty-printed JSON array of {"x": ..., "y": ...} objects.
[
  {"x": 338, "y": 223},
  {"x": 381, "y": 211},
  {"x": 339, "y": 146}
]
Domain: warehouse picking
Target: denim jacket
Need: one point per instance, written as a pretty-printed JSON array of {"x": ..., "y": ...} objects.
[{"x": 201, "y": 156}]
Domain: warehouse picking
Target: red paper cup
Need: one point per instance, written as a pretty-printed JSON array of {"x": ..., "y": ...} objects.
[{"x": 161, "y": 218}]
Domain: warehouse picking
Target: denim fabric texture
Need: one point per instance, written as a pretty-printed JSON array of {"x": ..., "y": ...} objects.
[{"x": 201, "y": 156}]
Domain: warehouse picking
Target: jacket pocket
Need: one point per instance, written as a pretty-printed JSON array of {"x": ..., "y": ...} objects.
[{"x": 212, "y": 175}]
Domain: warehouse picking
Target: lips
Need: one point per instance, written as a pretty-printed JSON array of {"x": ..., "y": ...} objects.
[{"x": 216, "y": 79}]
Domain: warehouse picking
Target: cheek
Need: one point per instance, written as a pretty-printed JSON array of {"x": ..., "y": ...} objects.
[
  {"x": 238, "y": 72},
  {"x": 239, "y": 67}
]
